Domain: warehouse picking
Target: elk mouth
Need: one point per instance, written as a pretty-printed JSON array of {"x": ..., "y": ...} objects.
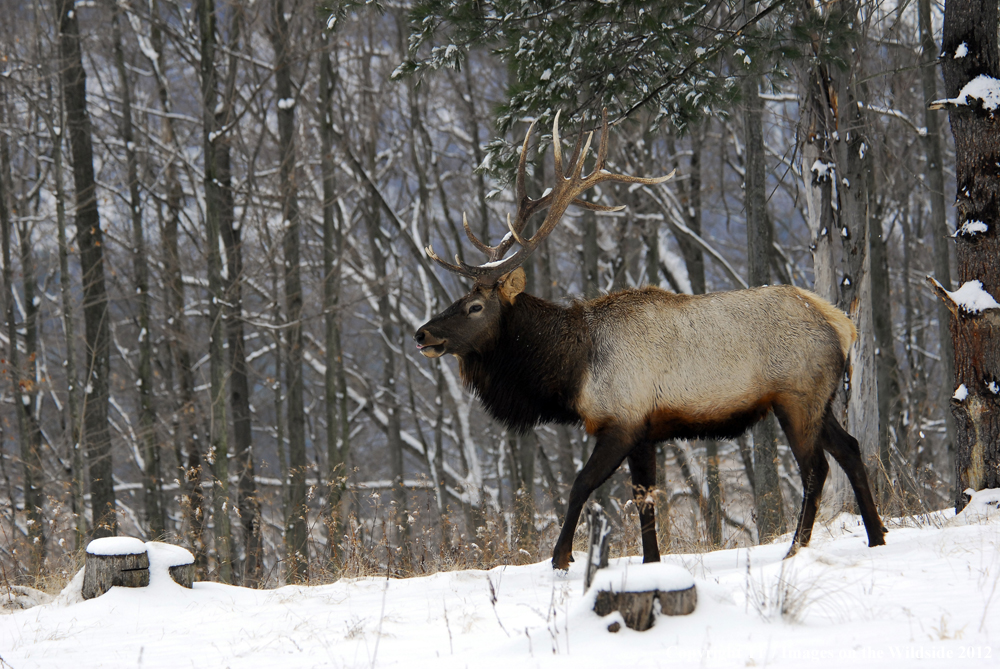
[
  {"x": 431, "y": 350},
  {"x": 429, "y": 345}
]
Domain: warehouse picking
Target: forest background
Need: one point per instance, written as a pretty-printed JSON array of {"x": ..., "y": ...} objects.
[{"x": 207, "y": 331}]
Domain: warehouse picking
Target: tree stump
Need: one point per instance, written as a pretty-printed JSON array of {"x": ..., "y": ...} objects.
[
  {"x": 634, "y": 592},
  {"x": 115, "y": 561},
  {"x": 176, "y": 561}
]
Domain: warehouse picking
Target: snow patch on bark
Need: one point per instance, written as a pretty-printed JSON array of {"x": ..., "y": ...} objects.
[
  {"x": 972, "y": 299},
  {"x": 983, "y": 88}
]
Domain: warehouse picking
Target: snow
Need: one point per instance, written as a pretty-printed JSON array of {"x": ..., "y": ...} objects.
[
  {"x": 286, "y": 103},
  {"x": 984, "y": 507},
  {"x": 643, "y": 578},
  {"x": 962, "y": 51},
  {"x": 984, "y": 88},
  {"x": 116, "y": 546},
  {"x": 960, "y": 393},
  {"x": 972, "y": 299},
  {"x": 930, "y": 593},
  {"x": 970, "y": 228},
  {"x": 821, "y": 171}
]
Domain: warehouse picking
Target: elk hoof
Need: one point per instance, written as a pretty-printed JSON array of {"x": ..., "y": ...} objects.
[{"x": 561, "y": 561}]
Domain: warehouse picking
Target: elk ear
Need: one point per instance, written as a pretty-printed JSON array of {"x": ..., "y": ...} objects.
[{"x": 511, "y": 285}]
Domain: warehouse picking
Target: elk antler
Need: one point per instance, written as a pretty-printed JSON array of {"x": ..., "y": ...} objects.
[{"x": 567, "y": 191}]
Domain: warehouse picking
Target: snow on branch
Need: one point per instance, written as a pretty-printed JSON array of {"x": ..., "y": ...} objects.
[
  {"x": 971, "y": 298},
  {"x": 895, "y": 113},
  {"x": 984, "y": 89}
]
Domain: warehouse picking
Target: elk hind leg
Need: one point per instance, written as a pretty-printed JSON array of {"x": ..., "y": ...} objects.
[
  {"x": 612, "y": 447},
  {"x": 846, "y": 451},
  {"x": 813, "y": 468},
  {"x": 642, "y": 465}
]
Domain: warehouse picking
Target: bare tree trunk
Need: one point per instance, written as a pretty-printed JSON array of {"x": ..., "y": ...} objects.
[
  {"x": 477, "y": 154},
  {"x": 186, "y": 415},
  {"x": 767, "y": 487},
  {"x": 940, "y": 239},
  {"x": 239, "y": 385},
  {"x": 218, "y": 454},
  {"x": 90, "y": 240},
  {"x": 152, "y": 482},
  {"x": 296, "y": 531},
  {"x": 335, "y": 379},
  {"x": 78, "y": 477},
  {"x": 886, "y": 364},
  {"x": 976, "y": 336},
  {"x": 852, "y": 154}
]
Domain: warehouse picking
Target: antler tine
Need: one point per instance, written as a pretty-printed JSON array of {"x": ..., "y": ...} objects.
[
  {"x": 646, "y": 181},
  {"x": 557, "y": 148},
  {"x": 578, "y": 165},
  {"x": 455, "y": 269},
  {"x": 522, "y": 163},
  {"x": 485, "y": 248}
]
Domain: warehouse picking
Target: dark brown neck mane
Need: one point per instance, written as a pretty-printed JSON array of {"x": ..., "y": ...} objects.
[{"x": 531, "y": 371}]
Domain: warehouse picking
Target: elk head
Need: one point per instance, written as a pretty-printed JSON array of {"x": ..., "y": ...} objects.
[{"x": 471, "y": 322}]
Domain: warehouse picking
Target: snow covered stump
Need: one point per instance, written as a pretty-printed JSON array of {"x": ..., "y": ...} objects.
[
  {"x": 115, "y": 561},
  {"x": 130, "y": 563},
  {"x": 639, "y": 590}
]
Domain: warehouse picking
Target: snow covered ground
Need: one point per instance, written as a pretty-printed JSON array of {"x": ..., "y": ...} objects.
[{"x": 928, "y": 598}]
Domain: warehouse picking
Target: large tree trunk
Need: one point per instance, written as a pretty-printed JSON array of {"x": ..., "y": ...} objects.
[
  {"x": 152, "y": 483},
  {"x": 90, "y": 240},
  {"x": 335, "y": 379},
  {"x": 239, "y": 385},
  {"x": 767, "y": 489},
  {"x": 851, "y": 153},
  {"x": 886, "y": 364},
  {"x": 940, "y": 240},
  {"x": 296, "y": 530},
  {"x": 218, "y": 454},
  {"x": 976, "y": 337}
]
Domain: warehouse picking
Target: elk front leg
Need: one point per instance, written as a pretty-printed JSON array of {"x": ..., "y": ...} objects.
[
  {"x": 642, "y": 465},
  {"x": 613, "y": 445}
]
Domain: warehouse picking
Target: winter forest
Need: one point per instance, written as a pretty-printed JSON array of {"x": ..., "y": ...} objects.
[{"x": 214, "y": 217}]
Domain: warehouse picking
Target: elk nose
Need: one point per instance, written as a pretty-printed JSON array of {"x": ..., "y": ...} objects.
[{"x": 419, "y": 336}]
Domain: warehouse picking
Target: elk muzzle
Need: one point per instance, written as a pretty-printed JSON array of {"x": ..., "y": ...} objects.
[{"x": 429, "y": 345}]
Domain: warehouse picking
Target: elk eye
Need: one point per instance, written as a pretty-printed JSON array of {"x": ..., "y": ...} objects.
[{"x": 475, "y": 308}]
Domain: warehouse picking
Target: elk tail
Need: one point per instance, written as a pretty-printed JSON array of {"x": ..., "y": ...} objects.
[{"x": 838, "y": 320}]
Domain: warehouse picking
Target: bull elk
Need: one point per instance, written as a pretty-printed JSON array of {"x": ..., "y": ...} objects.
[{"x": 646, "y": 365}]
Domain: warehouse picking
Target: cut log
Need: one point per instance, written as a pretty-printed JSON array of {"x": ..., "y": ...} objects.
[
  {"x": 678, "y": 602},
  {"x": 635, "y": 591},
  {"x": 176, "y": 561},
  {"x": 115, "y": 561},
  {"x": 636, "y": 607}
]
